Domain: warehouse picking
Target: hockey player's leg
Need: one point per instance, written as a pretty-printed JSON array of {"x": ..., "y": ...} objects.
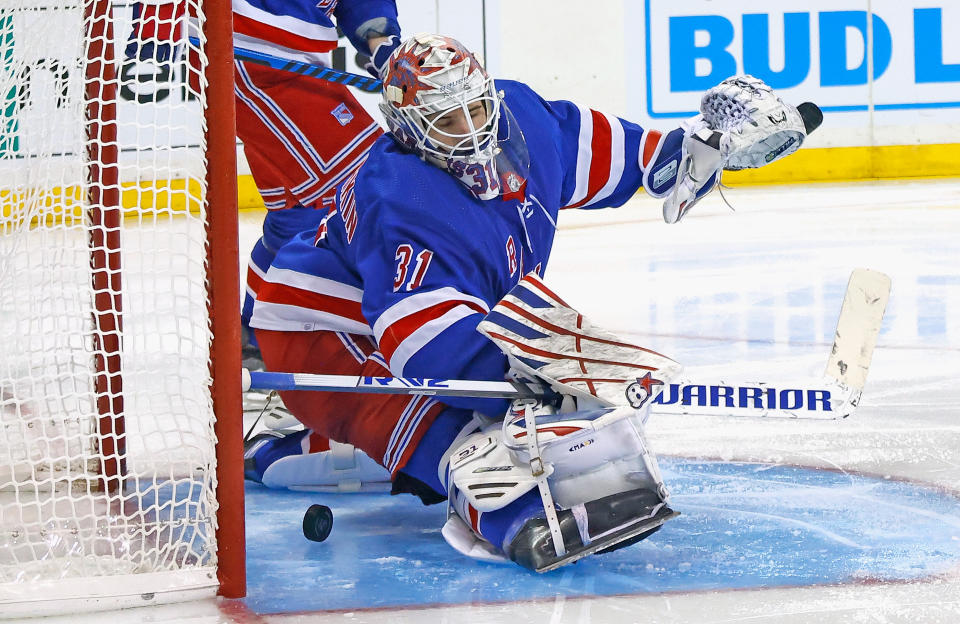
[
  {"x": 279, "y": 226},
  {"x": 265, "y": 449},
  {"x": 547, "y": 489},
  {"x": 303, "y": 460},
  {"x": 425, "y": 473},
  {"x": 387, "y": 428},
  {"x": 260, "y": 258}
]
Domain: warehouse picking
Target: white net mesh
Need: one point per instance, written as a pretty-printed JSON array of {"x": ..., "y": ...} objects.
[{"x": 57, "y": 522}]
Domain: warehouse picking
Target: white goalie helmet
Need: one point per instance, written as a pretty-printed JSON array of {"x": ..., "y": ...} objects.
[{"x": 432, "y": 80}]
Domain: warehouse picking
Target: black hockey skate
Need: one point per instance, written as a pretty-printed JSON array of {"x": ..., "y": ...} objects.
[{"x": 613, "y": 522}]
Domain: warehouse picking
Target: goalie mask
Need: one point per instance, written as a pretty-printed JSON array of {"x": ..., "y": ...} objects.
[{"x": 442, "y": 105}]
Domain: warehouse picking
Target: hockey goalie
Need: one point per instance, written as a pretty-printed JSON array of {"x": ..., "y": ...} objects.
[{"x": 454, "y": 209}]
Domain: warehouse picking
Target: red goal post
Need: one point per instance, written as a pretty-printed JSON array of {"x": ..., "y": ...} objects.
[{"x": 121, "y": 476}]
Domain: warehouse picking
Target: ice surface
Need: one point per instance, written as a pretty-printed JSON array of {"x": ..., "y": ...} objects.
[{"x": 853, "y": 521}]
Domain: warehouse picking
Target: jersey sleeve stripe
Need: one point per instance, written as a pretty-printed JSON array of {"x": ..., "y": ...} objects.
[
  {"x": 279, "y": 317},
  {"x": 265, "y": 32},
  {"x": 401, "y": 340},
  {"x": 584, "y": 157},
  {"x": 290, "y": 296},
  {"x": 653, "y": 143},
  {"x": 313, "y": 57},
  {"x": 315, "y": 283},
  {"x": 599, "y": 157},
  {"x": 420, "y": 301},
  {"x": 606, "y": 160},
  {"x": 306, "y": 29},
  {"x": 616, "y": 161},
  {"x": 651, "y": 147}
]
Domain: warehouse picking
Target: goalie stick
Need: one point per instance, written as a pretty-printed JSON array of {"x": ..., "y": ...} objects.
[
  {"x": 823, "y": 401},
  {"x": 369, "y": 84},
  {"x": 837, "y": 396}
]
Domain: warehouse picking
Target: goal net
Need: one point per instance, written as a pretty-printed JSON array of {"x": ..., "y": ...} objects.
[{"x": 108, "y": 450}]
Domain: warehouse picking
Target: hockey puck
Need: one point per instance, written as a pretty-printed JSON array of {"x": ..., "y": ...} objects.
[{"x": 317, "y": 523}]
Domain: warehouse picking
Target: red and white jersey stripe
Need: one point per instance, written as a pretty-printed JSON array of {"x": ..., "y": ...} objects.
[
  {"x": 289, "y": 300},
  {"x": 403, "y": 432},
  {"x": 600, "y": 158},
  {"x": 405, "y": 327},
  {"x": 295, "y": 37}
]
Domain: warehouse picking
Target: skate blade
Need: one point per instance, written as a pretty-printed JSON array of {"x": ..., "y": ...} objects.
[{"x": 642, "y": 526}]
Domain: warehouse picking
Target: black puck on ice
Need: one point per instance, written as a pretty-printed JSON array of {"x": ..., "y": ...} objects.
[{"x": 317, "y": 523}]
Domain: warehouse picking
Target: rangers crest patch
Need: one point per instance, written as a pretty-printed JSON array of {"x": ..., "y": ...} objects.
[{"x": 342, "y": 114}]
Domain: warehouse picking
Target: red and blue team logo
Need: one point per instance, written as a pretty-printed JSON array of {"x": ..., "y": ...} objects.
[
  {"x": 640, "y": 391},
  {"x": 342, "y": 114}
]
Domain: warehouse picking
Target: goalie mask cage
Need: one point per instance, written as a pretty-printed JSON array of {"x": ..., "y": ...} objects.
[{"x": 120, "y": 437}]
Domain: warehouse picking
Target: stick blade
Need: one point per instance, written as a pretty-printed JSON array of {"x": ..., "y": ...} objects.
[{"x": 858, "y": 328}]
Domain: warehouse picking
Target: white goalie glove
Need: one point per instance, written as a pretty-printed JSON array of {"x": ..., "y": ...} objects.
[
  {"x": 742, "y": 125},
  {"x": 757, "y": 128}
]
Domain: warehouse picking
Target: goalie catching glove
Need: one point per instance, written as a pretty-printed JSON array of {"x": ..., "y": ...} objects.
[
  {"x": 742, "y": 125},
  {"x": 757, "y": 127}
]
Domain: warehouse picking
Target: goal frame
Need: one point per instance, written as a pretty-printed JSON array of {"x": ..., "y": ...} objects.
[
  {"x": 223, "y": 257},
  {"x": 223, "y": 290}
]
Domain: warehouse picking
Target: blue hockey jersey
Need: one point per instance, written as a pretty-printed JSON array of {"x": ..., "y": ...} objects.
[{"x": 411, "y": 257}]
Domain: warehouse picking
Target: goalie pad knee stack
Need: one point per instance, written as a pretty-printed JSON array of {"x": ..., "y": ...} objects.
[{"x": 599, "y": 484}]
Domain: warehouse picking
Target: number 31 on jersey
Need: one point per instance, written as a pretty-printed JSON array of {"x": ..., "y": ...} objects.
[{"x": 405, "y": 279}]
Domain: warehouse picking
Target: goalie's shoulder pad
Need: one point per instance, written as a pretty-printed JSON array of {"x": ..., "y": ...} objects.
[{"x": 758, "y": 127}]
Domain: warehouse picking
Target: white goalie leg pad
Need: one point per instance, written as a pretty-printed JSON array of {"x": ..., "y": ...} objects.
[
  {"x": 342, "y": 469},
  {"x": 572, "y": 458},
  {"x": 482, "y": 475},
  {"x": 589, "y": 454}
]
